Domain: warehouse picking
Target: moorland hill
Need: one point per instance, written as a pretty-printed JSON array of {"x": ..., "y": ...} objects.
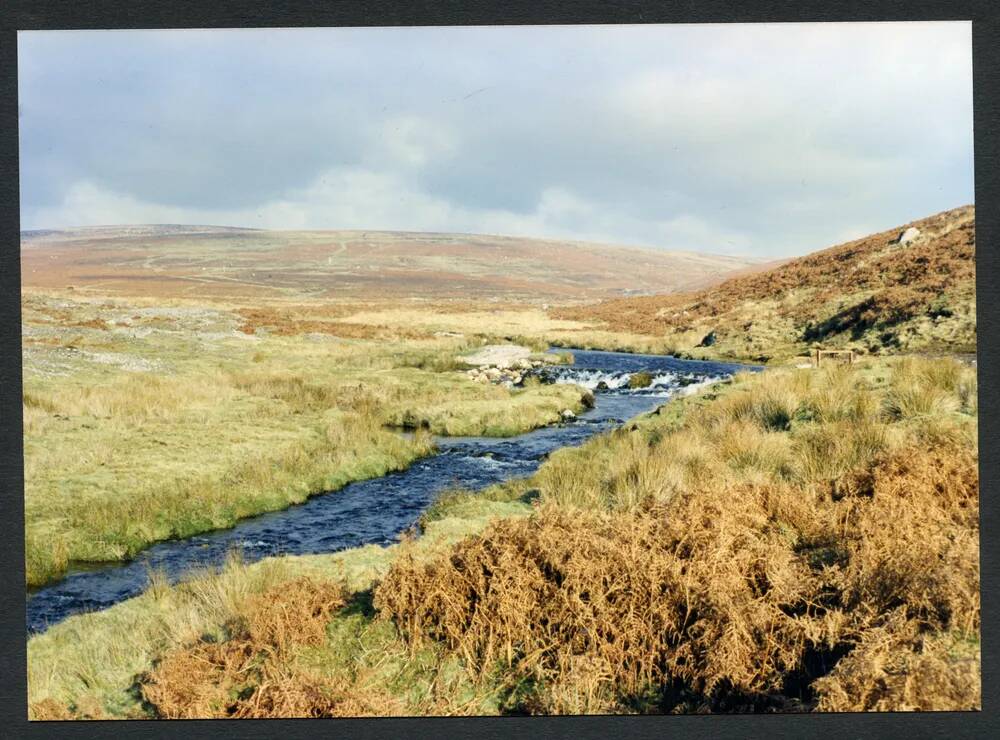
[{"x": 882, "y": 293}]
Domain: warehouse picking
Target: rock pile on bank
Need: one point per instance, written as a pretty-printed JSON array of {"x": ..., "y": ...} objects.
[{"x": 505, "y": 363}]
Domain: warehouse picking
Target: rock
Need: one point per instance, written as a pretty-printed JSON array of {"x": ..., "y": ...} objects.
[
  {"x": 908, "y": 236},
  {"x": 497, "y": 355},
  {"x": 640, "y": 379},
  {"x": 708, "y": 340},
  {"x": 492, "y": 373},
  {"x": 602, "y": 386},
  {"x": 567, "y": 414}
]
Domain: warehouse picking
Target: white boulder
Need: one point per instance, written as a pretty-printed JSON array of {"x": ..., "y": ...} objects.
[
  {"x": 497, "y": 355},
  {"x": 909, "y": 235}
]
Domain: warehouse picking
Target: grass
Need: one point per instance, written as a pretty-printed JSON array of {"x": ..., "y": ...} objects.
[
  {"x": 171, "y": 420},
  {"x": 797, "y": 539},
  {"x": 870, "y": 295},
  {"x": 82, "y": 667},
  {"x": 772, "y": 551},
  {"x": 783, "y": 541},
  {"x": 525, "y": 410}
]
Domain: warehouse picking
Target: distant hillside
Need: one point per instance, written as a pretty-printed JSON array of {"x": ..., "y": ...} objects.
[
  {"x": 873, "y": 294},
  {"x": 228, "y": 262}
]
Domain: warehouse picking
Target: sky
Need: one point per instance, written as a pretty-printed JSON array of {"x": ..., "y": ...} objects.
[{"x": 764, "y": 140}]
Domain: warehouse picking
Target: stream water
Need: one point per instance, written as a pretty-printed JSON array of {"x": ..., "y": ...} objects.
[{"x": 375, "y": 511}]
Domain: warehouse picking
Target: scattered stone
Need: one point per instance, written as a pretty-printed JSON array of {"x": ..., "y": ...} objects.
[
  {"x": 708, "y": 340},
  {"x": 568, "y": 414}
]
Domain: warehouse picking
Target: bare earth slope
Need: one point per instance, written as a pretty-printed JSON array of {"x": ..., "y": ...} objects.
[
  {"x": 873, "y": 294},
  {"x": 190, "y": 261}
]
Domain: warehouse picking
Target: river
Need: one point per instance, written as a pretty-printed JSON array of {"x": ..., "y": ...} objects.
[{"x": 375, "y": 511}]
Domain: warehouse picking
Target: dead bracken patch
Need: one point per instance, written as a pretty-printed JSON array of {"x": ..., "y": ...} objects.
[
  {"x": 737, "y": 597},
  {"x": 897, "y": 668},
  {"x": 248, "y": 675},
  {"x": 626, "y": 602}
]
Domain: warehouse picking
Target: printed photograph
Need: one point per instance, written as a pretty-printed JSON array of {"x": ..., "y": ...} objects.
[{"x": 499, "y": 370}]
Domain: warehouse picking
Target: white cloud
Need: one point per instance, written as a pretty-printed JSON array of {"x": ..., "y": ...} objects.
[
  {"x": 413, "y": 141},
  {"x": 762, "y": 139},
  {"x": 351, "y": 198}
]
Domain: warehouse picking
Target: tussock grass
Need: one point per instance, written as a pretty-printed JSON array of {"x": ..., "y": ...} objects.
[
  {"x": 245, "y": 675},
  {"x": 516, "y": 413},
  {"x": 116, "y": 525},
  {"x": 704, "y": 558},
  {"x": 85, "y": 666},
  {"x": 778, "y": 550},
  {"x": 145, "y": 437},
  {"x": 82, "y": 667}
]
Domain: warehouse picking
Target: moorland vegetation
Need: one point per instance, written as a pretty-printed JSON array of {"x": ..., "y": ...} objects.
[
  {"x": 794, "y": 540},
  {"x": 799, "y": 539}
]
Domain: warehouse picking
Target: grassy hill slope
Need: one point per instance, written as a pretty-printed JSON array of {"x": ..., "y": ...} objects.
[
  {"x": 221, "y": 263},
  {"x": 872, "y": 294}
]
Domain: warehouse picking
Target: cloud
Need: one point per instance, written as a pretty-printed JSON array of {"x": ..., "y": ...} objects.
[
  {"x": 760, "y": 139},
  {"x": 358, "y": 199}
]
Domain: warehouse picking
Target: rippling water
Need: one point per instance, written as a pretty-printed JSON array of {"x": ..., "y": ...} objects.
[{"x": 376, "y": 511}]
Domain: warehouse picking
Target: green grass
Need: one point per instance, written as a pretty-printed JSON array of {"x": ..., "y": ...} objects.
[
  {"x": 180, "y": 425},
  {"x": 522, "y": 411},
  {"x": 785, "y": 426},
  {"x": 84, "y": 660}
]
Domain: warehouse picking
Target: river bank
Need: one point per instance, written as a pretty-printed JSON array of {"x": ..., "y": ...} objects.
[
  {"x": 740, "y": 479},
  {"x": 376, "y": 510},
  {"x": 161, "y": 422},
  {"x": 397, "y": 502}
]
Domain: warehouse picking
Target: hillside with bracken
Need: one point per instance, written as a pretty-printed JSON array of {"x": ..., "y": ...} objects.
[{"x": 909, "y": 289}]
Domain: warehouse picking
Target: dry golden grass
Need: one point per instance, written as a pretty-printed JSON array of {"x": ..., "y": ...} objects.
[
  {"x": 871, "y": 294},
  {"x": 244, "y": 676},
  {"x": 784, "y": 542},
  {"x": 170, "y": 421},
  {"x": 796, "y": 530}
]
